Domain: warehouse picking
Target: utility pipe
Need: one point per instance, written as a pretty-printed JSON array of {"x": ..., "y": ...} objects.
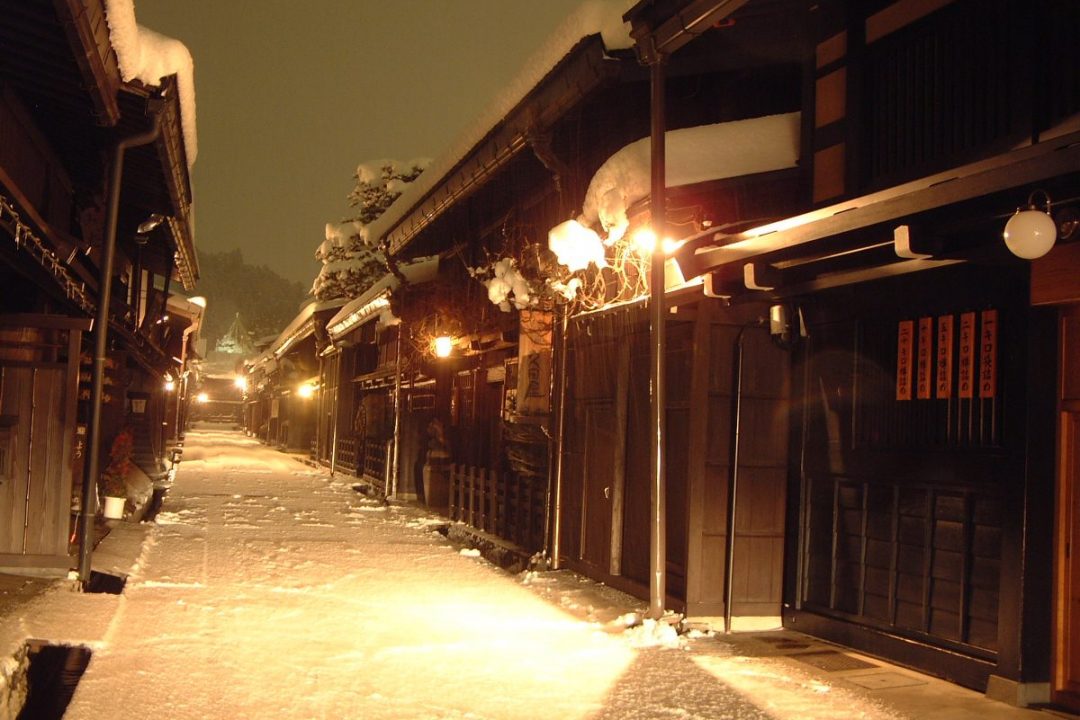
[
  {"x": 553, "y": 506},
  {"x": 397, "y": 416},
  {"x": 101, "y": 337},
  {"x": 733, "y": 484},
  {"x": 657, "y": 406}
]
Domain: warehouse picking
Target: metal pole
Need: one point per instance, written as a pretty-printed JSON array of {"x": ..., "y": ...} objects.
[
  {"x": 397, "y": 416},
  {"x": 553, "y": 506},
  {"x": 101, "y": 337},
  {"x": 733, "y": 486},
  {"x": 657, "y": 406}
]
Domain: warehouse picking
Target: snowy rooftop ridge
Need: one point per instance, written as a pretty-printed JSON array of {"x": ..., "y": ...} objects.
[
  {"x": 147, "y": 56},
  {"x": 694, "y": 155},
  {"x": 592, "y": 17}
]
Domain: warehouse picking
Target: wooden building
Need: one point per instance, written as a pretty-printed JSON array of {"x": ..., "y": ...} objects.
[
  {"x": 931, "y": 469},
  {"x": 65, "y": 114}
]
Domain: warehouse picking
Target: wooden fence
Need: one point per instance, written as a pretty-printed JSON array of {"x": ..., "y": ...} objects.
[{"x": 509, "y": 506}]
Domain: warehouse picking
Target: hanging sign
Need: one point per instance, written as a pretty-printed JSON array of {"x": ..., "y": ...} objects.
[
  {"x": 988, "y": 354},
  {"x": 925, "y": 365},
  {"x": 904, "y": 349},
  {"x": 967, "y": 355},
  {"x": 944, "y": 356},
  {"x": 534, "y": 363}
]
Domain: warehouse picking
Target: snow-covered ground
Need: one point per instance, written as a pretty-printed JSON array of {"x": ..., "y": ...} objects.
[{"x": 269, "y": 589}]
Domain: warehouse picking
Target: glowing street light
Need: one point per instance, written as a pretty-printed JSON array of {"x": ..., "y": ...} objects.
[
  {"x": 240, "y": 382},
  {"x": 202, "y": 398},
  {"x": 170, "y": 385},
  {"x": 306, "y": 390},
  {"x": 443, "y": 346}
]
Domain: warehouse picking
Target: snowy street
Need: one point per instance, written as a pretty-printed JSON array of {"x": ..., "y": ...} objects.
[{"x": 270, "y": 589}]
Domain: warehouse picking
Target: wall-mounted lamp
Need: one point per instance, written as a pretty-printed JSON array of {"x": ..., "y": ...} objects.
[
  {"x": 202, "y": 398},
  {"x": 170, "y": 385},
  {"x": 1031, "y": 232},
  {"x": 240, "y": 382},
  {"x": 147, "y": 226},
  {"x": 442, "y": 346},
  {"x": 306, "y": 390}
]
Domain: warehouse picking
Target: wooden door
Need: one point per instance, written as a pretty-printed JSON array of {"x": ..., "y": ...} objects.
[
  {"x": 35, "y": 491},
  {"x": 1066, "y": 676},
  {"x": 599, "y": 478}
]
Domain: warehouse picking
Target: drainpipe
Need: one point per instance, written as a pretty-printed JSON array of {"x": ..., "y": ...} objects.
[
  {"x": 101, "y": 337},
  {"x": 733, "y": 484},
  {"x": 553, "y": 506},
  {"x": 657, "y": 406},
  {"x": 396, "y": 452}
]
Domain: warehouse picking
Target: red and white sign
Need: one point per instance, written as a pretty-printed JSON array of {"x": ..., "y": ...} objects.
[
  {"x": 924, "y": 371},
  {"x": 988, "y": 354},
  {"x": 967, "y": 356},
  {"x": 905, "y": 340},
  {"x": 944, "y": 365}
]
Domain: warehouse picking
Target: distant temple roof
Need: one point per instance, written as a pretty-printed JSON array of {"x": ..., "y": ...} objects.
[{"x": 236, "y": 340}]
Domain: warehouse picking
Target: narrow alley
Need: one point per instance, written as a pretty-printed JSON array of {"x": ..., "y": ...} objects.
[{"x": 266, "y": 588}]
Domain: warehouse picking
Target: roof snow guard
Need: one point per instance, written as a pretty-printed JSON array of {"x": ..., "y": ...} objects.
[{"x": 767, "y": 250}]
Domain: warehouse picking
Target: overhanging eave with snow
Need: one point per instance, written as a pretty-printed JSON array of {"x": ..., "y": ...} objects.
[
  {"x": 880, "y": 234},
  {"x": 575, "y": 69},
  {"x": 302, "y": 326},
  {"x": 376, "y": 299}
]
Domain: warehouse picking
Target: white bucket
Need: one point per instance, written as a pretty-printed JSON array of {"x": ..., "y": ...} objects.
[{"x": 114, "y": 508}]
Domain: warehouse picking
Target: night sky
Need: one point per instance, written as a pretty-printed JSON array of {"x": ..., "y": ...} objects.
[{"x": 292, "y": 95}]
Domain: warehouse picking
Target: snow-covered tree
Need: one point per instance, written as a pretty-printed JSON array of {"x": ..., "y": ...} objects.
[
  {"x": 350, "y": 263},
  {"x": 379, "y": 183}
]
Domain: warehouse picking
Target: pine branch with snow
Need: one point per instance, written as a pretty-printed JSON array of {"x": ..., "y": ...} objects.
[{"x": 379, "y": 183}]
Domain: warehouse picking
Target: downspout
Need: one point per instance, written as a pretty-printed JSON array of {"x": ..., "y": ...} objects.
[
  {"x": 553, "y": 505},
  {"x": 657, "y": 406},
  {"x": 101, "y": 337},
  {"x": 395, "y": 453}
]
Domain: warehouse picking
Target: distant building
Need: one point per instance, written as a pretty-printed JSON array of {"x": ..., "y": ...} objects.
[{"x": 236, "y": 340}]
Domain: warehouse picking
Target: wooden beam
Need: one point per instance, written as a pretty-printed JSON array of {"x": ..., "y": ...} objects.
[
  {"x": 701, "y": 362},
  {"x": 618, "y": 490}
]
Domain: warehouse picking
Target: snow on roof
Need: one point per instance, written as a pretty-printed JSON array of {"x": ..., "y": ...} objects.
[
  {"x": 592, "y": 17},
  {"x": 148, "y": 56},
  {"x": 300, "y": 328},
  {"x": 419, "y": 270},
  {"x": 694, "y": 155}
]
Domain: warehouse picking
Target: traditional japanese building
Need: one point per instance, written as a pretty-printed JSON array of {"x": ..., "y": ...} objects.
[{"x": 95, "y": 210}]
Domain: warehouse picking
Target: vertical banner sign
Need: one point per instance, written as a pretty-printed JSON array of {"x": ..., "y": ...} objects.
[
  {"x": 904, "y": 347},
  {"x": 988, "y": 354},
  {"x": 944, "y": 356},
  {"x": 967, "y": 355},
  {"x": 534, "y": 362},
  {"x": 925, "y": 366}
]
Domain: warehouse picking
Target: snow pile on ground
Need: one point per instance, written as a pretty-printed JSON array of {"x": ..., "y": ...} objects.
[
  {"x": 147, "y": 56},
  {"x": 652, "y": 633}
]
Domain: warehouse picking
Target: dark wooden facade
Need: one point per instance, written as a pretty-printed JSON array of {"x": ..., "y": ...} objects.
[
  {"x": 63, "y": 110},
  {"x": 924, "y": 477}
]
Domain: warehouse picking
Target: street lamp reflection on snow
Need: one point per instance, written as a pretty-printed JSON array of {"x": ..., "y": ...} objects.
[{"x": 443, "y": 346}]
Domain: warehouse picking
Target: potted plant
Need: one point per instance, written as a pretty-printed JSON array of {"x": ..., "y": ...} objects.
[{"x": 113, "y": 485}]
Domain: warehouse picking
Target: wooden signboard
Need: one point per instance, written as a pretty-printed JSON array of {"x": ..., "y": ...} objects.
[{"x": 534, "y": 363}]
